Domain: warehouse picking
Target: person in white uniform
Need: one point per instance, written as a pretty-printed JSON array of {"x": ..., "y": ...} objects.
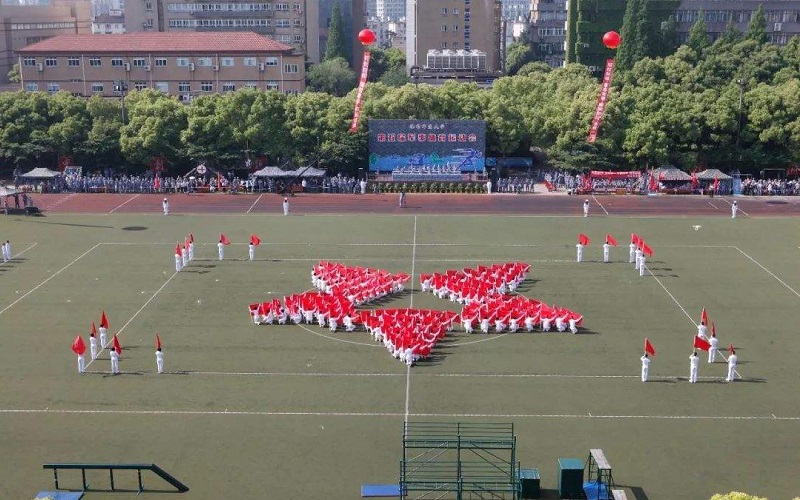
[
  {"x": 586, "y": 208},
  {"x": 645, "y": 367},
  {"x": 93, "y": 345},
  {"x": 606, "y": 252},
  {"x": 701, "y": 330},
  {"x": 114, "y": 361},
  {"x": 712, "y": 351},
  {"x": 103, "y": 331},
  {"x": 159, "y": 360},
  {"x": 286, "y": 206},
  {"x": 732, "y": 360},
  {"x": 734, "y": 209},
  {"x": 642, "y": 266},
  {"x": 185, "y": 256},
  {"x": 579, "y": 256},
  {"x": 632, "y": 254},
  {"x": 637, "y": 258},
  {"x": 81, "y": 363},
  {"x": 8, "y": 250},
  {"x": 251, "y": 251},
  {"x": 221, "y": 249},
  {"x": 694, "y": 363},
  {"x": 178, "y": 262},
  {"x": 165, "y": 206}
]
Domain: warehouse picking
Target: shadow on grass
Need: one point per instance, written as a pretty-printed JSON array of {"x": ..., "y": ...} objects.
[
  {"x": 637, "y": 491},
  {"x": 69, "y": 224}
]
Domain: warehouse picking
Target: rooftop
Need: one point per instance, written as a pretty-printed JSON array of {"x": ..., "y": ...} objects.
[{"x": 182, "y": 43}]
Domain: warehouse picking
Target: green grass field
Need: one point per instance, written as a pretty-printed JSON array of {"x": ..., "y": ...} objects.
[{"x": 290, "y": 412}]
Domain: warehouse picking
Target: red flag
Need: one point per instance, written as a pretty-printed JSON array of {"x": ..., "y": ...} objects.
[
  {"x": 716, "y": 184},
  {"x": 117, "y": 347},
  {"x": 158, "y": 341},
  {"x": 653, "y": 186},
  {"x": 191, "y": 238},
  {"x": 695, "y": 182},
  {"x": 362, "y": 84},
  {"x": 731, "y": 348},
  {"x": 704, "y": 316},
  {"x": 611, "y": 241},
  {"x": 103, "y": 320},
  {"x": 219, "y": 182},
  {"x": 583, "y": 239},
  {"x": 646, "y": 249},
  {"x": 648, "y": 347},
  {"x": 157, "y": 182},
  {"x": 701, "y": 344},
  {"x": 255, "y": 240},
  {"x": 224, "y": 239},
  {"x": 93, "y": 333},
  {"x": 713, "y": 330},
  {"x": 78, "y": 347},
  {"x": 635, "y": 239},
  {"x": 178, "y": 249}
]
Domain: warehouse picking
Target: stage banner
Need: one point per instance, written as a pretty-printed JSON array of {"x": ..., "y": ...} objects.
[
  {"x": 602, "y": 100},
  {"x": 362, "y": 84}
]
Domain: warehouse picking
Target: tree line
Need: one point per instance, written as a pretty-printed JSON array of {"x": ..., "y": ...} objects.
[{"x": 731, "y": 104}]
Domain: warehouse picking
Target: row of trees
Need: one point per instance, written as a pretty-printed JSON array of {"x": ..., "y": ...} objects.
[{"x": 730, "y": 104}]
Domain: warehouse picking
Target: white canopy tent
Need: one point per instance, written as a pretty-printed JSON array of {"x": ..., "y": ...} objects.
[{"x": 41, "y": 173}]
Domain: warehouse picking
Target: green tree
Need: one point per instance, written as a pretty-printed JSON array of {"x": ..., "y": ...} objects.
[
  {"x": 633, "y": 45},
  {"x": 332, "y": 76},
  {"x": 736, "y": 495},
  {"x": 535, "y": 68},
  {"x": 155, "y": 123},
  {"x": 668, "y": 37},
  {"x": 24, "y": 125},
  {"x": 306, "y": 123},
  {"x": 698, "y": 34},
  {"x": 103, "y": 140},
  {"x": 335, "y": 46},
  {"x": 757, "y": 30},
  {"x": 731, "y": 35},
  {"x": 208, "y": 137},
  {"x": 69, "y": 123},
  {"x": 395, "y": 77},
  {"x": 14, "y": 75},
  {"x": 517, "y": 55},
  {"x": 383, "y": 61}
]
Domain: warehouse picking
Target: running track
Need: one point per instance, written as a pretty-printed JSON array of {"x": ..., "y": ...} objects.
[{"x": 498, "y": 204}]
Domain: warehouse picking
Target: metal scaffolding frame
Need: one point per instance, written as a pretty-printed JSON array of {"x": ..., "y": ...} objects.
[{"x": 459, "y": 460}]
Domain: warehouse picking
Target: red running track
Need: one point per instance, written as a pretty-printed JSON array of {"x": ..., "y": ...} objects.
[{"x": 497, "y": 204}]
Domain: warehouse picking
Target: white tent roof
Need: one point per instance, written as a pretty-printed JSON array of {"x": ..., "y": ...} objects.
[
  {"x": 713, "y": 173},
  {"x": 7, "y": 190},
  {"x": 41, "y": 173},
  {"x": 278, "y": 172}
]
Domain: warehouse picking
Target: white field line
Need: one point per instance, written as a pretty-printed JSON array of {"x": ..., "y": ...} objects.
[
  {"x": 226, "y": 412},
  {"x": 119, "y": 332},
  {"x": 411, "y": 300},
  {"x": 124, "y": 203},
  {"x": 713, "y": 205},
  {"x": 84, "y": 254},
  {"x": 446, "y": 245},
  {"x": 18, "y": 254},
  {"x": 768, "y": 271},
  {"x": 254, "y": 203},
  {"x": 601, "y": 205},
  {"x": 431, "y": 375}
]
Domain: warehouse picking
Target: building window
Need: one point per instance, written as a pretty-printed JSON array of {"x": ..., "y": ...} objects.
[
  {"x": 207, "y": 86},
  {"x": 444, "y": 28},
  {"x": 226, "y": 61},
  {"x": 271, "y": 61},
  {"x": 32, "y": 87},
  {"x": 467, "y": 46},
  {"x": 53, "y": 87},
  {"x": 298, "y": 38},
  {"x": 140, "y": 85},
  {"x": 455, "y": 11},
  {"x": 283, "y": 23},
  {"x": 148, "y": 6},
  {"x": 228, "y": 87},
  {"x": 443, "y": 45},
  {"x": 249, "y": 61},
  {"x": 184, "y": 87},
  {"x": 97, "y": 87},
  {"x": 455, "y": 28},
  {"x": 75, "y": 80},
  {"x": 182, "y": 62},
  {"x": 160, "y": 62},
  {"x": 51, "y": 62},
  {"x": 204, "y": 61},
  {"x": 272, "y": 85},
  {"x": 95, "y": 62},
  {"x": 296, "y": 22},
  {"x": 290, "y": 68},
  {"x": 466, "y": 15},
  {"x": 455, "y": 45},
  {"x": 162, "y": 87},
  {"x": 73, "y": 62},
  {"x": 444, "y": 11},
  {"x": 29, "y": 61},
  {"x": 117, "y": 62},
  {"x": 139, "y": 62},
  {"x": 251, "y": 85}
]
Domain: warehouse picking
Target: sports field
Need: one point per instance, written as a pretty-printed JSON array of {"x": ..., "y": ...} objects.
[{"x": 298, "y": 412}]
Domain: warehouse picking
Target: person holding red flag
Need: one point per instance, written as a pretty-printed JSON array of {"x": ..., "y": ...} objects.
[
  {"x": 114, "y": 354},
  {"x": 185, "y": 253},
  {"x": 713, "y": 342},
  {"x": 103, "y": 329},
  {"x": 159, "y": 355},
  {"x": 178, "y": 258},
  {"x": 732, "y": 361},
  {"x": 648, "y": 351},
  {"x": 223, "y": 241},
  {"x": 606, "y": 251},
  {"x": 583, "y": 240},
  {"x": 93, "y": 341},
  {"x": 632, "y": 246},
  {"x": 79, "y": 348},
  {"x": 191, "y": 246},
  {"x": 254, "y": 242}
]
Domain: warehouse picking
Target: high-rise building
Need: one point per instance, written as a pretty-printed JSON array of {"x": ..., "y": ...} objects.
[
  {"x": 390, "y": 10},
  {"x": 389, "y": 34},
  {"x": 30, "y": 23},
  {"x": 783, "y": 17},
  {"x": 548, "y": 31},
  {"x": 453, "y": 25},
  {"x": 294, "y": 23},
  {"x": 514, "y": 9}
]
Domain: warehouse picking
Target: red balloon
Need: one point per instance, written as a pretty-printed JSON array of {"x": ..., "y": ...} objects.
[
  {"x": 612, "y": 40},
  {"x": 366, "y": 36}
]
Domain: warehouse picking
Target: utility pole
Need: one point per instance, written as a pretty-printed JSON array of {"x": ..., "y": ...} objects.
[
  {"x": 121, "y": 87},
  {"x": 740, "y": 83}
]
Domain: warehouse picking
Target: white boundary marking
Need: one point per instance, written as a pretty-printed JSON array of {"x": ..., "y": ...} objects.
[
  {"x": 329, "y": 244},
  {"x": 254, "y": 203},
  {"x": 50, "y": 277},
  {"x": 601, "y": 205},
  {"x": 432, "y": 375},
  {"x": 17, "y": 255},
  {"x": 124, "y": 203},
  {"x": 391, "y": 414},
  {"x": 713, "y": 205},
  {"x": 411, "y": 305},
  {"x": 119, "y": 332},
  {"x": 768, "y": 271}
]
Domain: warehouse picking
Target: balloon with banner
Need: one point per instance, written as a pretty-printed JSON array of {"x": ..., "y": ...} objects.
[
  {"x": 367, "y": 38},
  {"x": 611, "y": 40}
]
